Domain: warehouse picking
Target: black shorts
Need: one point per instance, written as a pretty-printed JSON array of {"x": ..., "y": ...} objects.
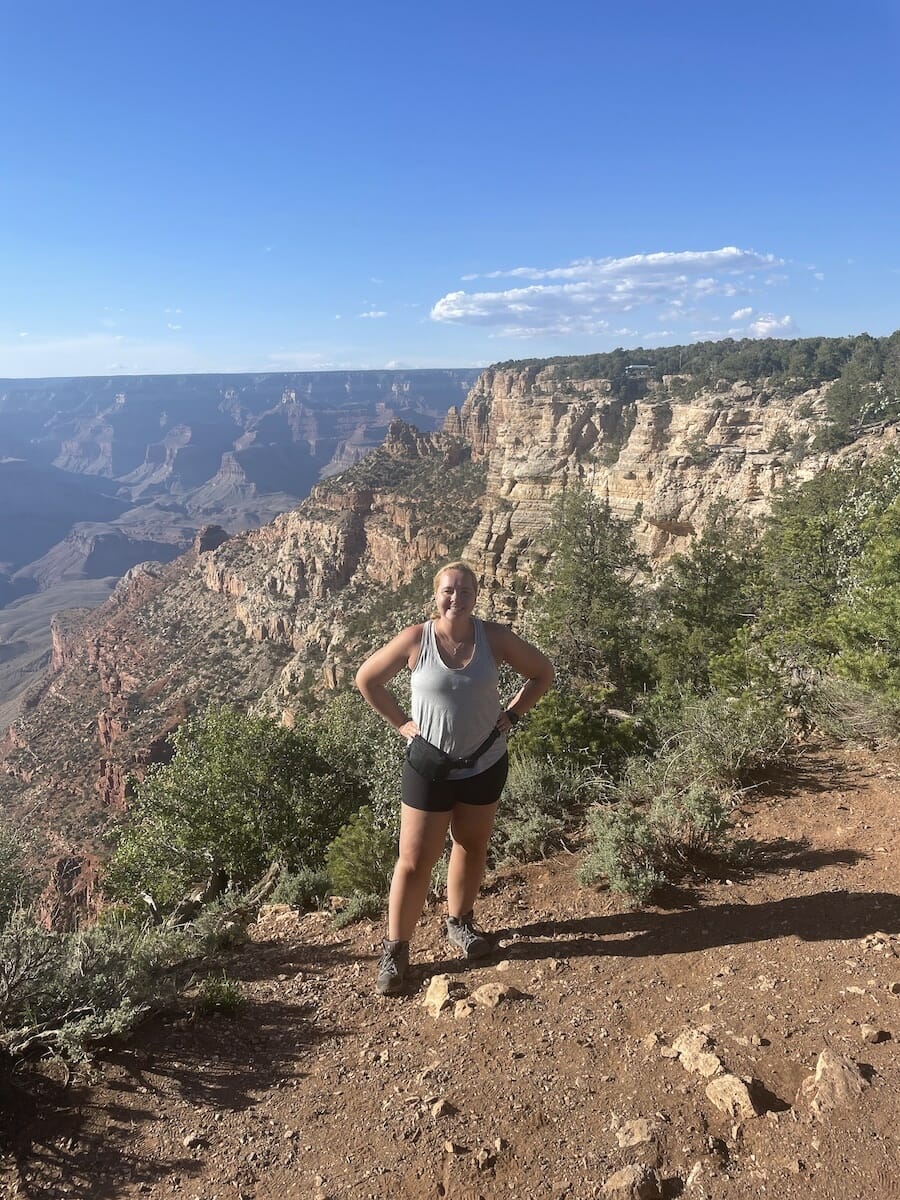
[{"x": 429, "y": 795}]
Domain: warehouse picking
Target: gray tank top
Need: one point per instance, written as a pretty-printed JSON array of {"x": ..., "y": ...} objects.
[{"x": 457, "y": 707}]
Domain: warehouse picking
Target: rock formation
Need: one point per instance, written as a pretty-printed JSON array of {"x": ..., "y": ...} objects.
[{"x": 276, "y": 615}]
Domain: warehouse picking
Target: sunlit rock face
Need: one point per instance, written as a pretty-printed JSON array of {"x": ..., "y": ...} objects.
[{"x": 656, "y": 458}]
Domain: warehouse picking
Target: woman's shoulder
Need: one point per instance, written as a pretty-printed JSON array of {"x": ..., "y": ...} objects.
[{"x": 496, "y": 633}]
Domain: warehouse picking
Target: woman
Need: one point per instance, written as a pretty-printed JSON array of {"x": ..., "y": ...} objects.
[{"x": 454, "y": 660}]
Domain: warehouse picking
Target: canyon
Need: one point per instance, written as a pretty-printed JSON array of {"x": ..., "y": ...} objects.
[
  {"x": 97, "y": 475},
  {"x": 279, "y": 615}
]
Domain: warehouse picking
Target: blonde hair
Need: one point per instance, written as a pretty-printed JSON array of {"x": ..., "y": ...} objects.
[
  {"x": 459, "y": 565},
  {"x": 455, "y": 566}
]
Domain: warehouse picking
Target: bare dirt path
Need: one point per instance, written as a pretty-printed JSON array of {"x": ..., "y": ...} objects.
[{"x": 317, "y": 1088}]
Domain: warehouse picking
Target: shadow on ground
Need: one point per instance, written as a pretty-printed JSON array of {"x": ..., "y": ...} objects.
[
  {"x": 823, "y": 916},
  {"x": 77, "y": 1135}
]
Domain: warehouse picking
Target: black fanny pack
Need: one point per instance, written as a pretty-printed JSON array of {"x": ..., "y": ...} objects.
[{"x": 433, "y": 764}]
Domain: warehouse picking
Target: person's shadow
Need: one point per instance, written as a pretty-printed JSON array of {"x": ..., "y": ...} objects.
[{"x": 822, "y": 916}]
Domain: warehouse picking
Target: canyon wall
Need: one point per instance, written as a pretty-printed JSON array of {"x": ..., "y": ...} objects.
[{"x": 279, "y": 615}]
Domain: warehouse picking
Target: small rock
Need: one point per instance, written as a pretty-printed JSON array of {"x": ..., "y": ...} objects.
[
  {"x": 693, "y": 1048},
  {"x": 871, "y": 1034},
  {"x": 484, "y": 1159},
  {"x": 635, "y": 1182},
  {"x": 463, "y": 1008},
  {"x": 492, "y": 994},
  {"x": 837, "y": 1082},
  {"x": 732, "y": 1096},
  {"x": 693, "y": 1175},
  {"x": 649, "y": 1042},
  {"x": 634, "y": 1133},
  {"x": 668, "y": 1052},
  {"x": 442, "y": 1108},
  {"x": 894, "y": 988},
  {"x": 441, "y": 991},
  {"x": 504, "y": 965},
  {"x": 190, "y": 1140},
  {"x": 453, "y": 1148}
]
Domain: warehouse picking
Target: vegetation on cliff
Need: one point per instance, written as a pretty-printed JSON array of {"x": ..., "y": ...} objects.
[{"x": 864, "y": 373}]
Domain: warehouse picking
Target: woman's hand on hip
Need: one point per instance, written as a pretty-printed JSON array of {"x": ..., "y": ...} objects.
[{"x": 408, "y": 730}]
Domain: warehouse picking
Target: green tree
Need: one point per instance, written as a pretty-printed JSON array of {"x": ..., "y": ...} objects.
[
  {"x": 705, "y": 595},
  {"x": 866, "y": 626},
  {"x": 589, "y": 614},
  {"x": 240, "y": 793}
]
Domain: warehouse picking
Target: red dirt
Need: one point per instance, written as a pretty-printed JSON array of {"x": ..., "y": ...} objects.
[{"x": 318, "y": 1088}]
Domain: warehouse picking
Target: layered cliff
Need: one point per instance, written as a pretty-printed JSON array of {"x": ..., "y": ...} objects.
[
  {"x": 268, "y": 617},
  {"x": 656, "y": 456},
  {"x": 283, "y": 613}
]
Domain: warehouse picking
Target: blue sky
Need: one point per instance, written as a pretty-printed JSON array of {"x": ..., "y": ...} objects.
[{"x": 226, "y": 186}]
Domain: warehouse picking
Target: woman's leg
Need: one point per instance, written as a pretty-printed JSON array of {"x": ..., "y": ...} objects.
[
  {"x": 470, "y": 826},
  {"x": 422, "y": 838}
]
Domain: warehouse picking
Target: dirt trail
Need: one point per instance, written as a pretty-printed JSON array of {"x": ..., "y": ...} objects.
[{"x": 320, "y": 1089}]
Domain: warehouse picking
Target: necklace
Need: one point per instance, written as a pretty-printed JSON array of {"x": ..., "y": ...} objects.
[{"x": 454, "y": 649}]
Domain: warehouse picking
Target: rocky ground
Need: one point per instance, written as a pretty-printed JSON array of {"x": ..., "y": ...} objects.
[{"x": 598, "y": 1052}]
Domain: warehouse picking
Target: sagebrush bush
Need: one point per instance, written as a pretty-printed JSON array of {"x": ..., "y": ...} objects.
[
  {"x": 361, "y": 858},
  {"x": 622, "y": 848},
  {"x": 543, "y": 801},
  {"x": 850, "y": 712},
  {"x": 306, "y": 890},
  {"x": 639, "y": 849},
  {"x": 360, "y": 907},
  {"x": 720, "y": 738},
  {"x": 89, "y": 984}
]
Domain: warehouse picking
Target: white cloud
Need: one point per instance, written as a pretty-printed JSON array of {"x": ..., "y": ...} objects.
[
  {"x": 768, "y": 325},
  {"x": 25, "y": 334},
  {"x": 372, "y": 314},
  {"x": 169, "y": 325},
  {"x": 741, "y": 314},
  {"x": 575, "y": 298},
  {"x": 820, "y": 275}
]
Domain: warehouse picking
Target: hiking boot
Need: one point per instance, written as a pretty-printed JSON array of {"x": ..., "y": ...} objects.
[
  {"x": 392, "y": 968},
  {"x": 462, "y": 934}
]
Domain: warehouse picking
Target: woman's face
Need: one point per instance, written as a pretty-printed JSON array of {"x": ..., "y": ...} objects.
[{"x": 455, "y": 595}]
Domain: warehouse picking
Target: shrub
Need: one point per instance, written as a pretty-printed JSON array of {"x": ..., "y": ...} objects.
[
  {"x": 641, "y": 849},
  {"x": 543, "y": 801},
  {"x": 360, "y": 908},
  {"x": 719, "y": 738},
  {"x": 848, "y": 711},
  {"x": 361, "y": 858},
  {"x": 307, "y": 890},
  {"x": 12, "y": 880},
  {"x": 78, "y": 987},
  {"x": 240, "y": 793},
  {"x": 622, "y": 848},
  {"x": 348, "y": 732},
  {"x": 218, "y": 994}
]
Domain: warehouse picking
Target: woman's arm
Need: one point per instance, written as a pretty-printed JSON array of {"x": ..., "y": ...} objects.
[
  {"x": 535, "y": 667},
  {"x": 380, "y": 668}
]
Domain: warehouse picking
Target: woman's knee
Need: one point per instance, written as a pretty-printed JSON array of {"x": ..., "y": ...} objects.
[{"x": 413, "y": 863}]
